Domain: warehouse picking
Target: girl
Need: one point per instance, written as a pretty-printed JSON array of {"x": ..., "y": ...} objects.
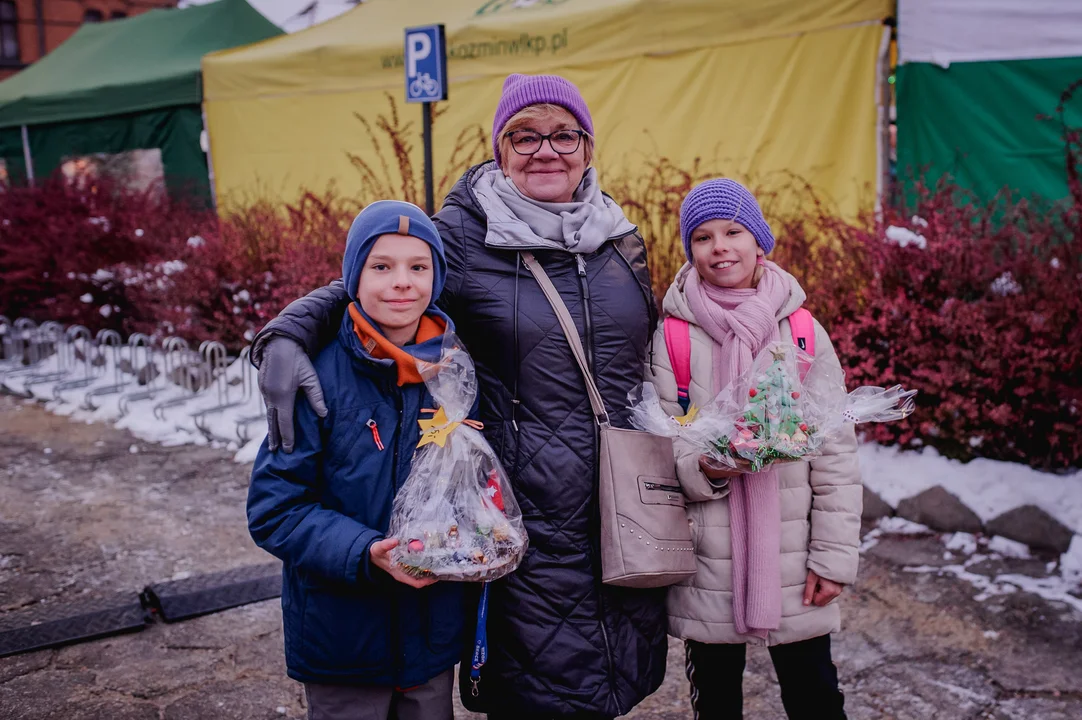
[{"x": 774, "y": 548}]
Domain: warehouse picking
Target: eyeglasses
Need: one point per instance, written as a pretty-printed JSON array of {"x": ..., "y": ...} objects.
[{"x": 528, "y": 142}]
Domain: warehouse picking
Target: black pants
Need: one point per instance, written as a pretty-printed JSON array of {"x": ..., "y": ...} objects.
[
  {"x": 531, "y": 716},
  {"x": 808, "y": 679}
]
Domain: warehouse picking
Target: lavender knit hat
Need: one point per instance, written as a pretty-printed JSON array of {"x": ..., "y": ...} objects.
[
  {"x": 723, "y": 199},
  {"x": 520, "y": 91}
]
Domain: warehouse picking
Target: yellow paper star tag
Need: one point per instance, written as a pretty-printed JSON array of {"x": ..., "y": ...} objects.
[
  {"x": 436, "y": 429},
  {"x": 691, "y": 414}
]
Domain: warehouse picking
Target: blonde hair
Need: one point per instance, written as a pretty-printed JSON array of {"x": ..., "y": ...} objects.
[{"x": 533, "y": 113}]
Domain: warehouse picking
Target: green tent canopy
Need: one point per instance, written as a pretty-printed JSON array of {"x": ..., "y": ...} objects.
[
  {"x": 125, "y": 85},
  {"x": 979, "y": 90}
]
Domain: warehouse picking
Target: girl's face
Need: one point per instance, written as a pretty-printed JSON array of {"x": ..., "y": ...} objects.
[{"x": 725, "y": 254}]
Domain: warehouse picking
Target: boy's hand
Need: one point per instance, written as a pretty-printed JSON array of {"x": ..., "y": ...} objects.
[
  {"x": 820, "y": 591},
  {"x": 380, "y": 553}
]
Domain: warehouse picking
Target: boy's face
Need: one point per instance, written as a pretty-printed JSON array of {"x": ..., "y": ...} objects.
[{"x": 395, "y": 287}]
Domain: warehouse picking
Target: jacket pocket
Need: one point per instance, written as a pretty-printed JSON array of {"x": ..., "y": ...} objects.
[{"x": 345, "y": 629}]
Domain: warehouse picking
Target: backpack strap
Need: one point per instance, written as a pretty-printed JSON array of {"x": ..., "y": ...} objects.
[
  {"x": 678, "y": 343},
  {"x": 802, "y": 326}
]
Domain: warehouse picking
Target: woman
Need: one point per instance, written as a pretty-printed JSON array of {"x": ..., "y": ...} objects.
[
  {"x": 773, "y": 549},
  {"x": 561, "y": 644}
]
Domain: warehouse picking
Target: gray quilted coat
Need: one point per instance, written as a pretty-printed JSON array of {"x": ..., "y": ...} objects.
[{"x": 559, "y": 640}]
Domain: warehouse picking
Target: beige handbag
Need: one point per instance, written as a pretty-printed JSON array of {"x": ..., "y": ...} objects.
[{"x": 645, "y": 534}]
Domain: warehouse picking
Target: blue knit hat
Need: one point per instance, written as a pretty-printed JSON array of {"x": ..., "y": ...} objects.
[
  {"x": 381, "y": 218},
  {"x": 723, "y": 199}
]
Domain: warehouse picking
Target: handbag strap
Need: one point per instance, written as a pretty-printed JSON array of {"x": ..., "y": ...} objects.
[{"x": 570, "y": 332}]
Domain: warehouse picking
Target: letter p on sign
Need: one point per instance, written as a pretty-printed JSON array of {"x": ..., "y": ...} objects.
[{"x": 418, "y": 47}]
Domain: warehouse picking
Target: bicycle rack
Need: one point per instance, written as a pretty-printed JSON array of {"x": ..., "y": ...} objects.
[
  {"x": 7, "y": 342},
  {"x": 55, "y": 336},
  {"x": 214, "y": 354},
  {"x": 79, "y": 336},
  {"x": 148, "y": 374},
  {"x": 108, "y": 341},
  {"x": 185, "y": 369},
  {"x": 26, "y": 353}
]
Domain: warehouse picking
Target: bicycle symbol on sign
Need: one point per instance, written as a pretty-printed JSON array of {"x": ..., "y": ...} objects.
[{"x": 424, "y": 85}]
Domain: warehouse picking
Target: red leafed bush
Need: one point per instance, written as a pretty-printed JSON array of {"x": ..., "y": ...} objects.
[
  {"x": 229, "y": 283},
  {"x": 977, "y": 308},
  {"x": 60, "y": 245},
  {"x": 106, "y": 257}
]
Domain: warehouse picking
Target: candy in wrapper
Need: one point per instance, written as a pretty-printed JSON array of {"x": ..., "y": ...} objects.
[{"x": 455, "y": 517}]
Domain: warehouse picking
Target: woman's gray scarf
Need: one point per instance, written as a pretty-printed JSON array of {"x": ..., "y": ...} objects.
[{"x": 516, "y": 221}]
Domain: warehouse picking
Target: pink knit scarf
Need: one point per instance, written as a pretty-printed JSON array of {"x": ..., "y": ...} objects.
[{"x": 742, "y": 323}]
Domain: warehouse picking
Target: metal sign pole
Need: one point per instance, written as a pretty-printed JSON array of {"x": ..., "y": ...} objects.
[
  {"x": 430, "y": 194},
  {"x": 426, "y": 83},
  {"x": 27, "y": 157}
]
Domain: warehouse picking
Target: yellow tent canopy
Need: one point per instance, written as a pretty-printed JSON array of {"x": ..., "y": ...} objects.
[{"x": 761, "y": 91}]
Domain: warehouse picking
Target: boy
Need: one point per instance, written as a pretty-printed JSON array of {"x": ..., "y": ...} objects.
[{"x": 367, "y": 641}]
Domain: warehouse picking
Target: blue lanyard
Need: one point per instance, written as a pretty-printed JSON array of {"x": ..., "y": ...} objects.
[{"x": 480, "y": 644}]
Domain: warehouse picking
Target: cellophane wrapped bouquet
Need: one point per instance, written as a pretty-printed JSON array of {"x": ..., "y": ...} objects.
[
  {"x": 769, "y": 416},
  {"x": 455, "y": 517}
]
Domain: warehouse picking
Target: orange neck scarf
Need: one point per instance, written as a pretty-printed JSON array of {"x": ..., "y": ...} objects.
[{"x": 381, "y": 348}]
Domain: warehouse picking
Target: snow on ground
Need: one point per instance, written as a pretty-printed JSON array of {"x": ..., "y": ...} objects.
[
  {"x": 229, "y": 413},
  {"x": 1065, "y": 575},
  {"x": 988, "y": 487}
]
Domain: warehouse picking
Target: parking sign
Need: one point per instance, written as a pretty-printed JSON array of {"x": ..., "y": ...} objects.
[{"x": 426, "y": 64}]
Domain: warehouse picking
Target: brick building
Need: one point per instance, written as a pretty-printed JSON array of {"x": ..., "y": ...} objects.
[{"x": 32, "y": 28}]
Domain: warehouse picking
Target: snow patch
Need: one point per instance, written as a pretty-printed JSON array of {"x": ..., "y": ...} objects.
[
  {"x": 1070, "y": 563},
  {"x": 1005, "y": 284},
  {"x": 903, "y": 237},
  {"x": 901, "y": 526},
  {"x": 172, "y": 267},
  {"x": 1054, "y": 588},
  {"x": 988, "y": 487},
  {"x": 1008, "y": 548},
  {"x": 961, "y": 542}
]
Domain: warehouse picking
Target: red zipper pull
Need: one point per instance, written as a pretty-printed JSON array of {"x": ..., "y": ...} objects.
[{"x": 375, "y": 433}]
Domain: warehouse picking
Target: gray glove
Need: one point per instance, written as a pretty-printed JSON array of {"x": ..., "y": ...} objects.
[{"x": 285, "y": 369}]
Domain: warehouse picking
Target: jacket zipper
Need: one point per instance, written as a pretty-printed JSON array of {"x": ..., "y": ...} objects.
[
  {"x": 375, "y": 433},
  {"x": 585, "y": 286},
  {"x": 398, "y": 660},
  {"x": 586, "y": 311},
  {"x": 659, "y": 486}
]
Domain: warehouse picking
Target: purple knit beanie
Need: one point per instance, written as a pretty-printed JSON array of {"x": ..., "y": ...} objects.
[
  {"x": 723, "y": 199},
  {"x": 520, "y": 91}
]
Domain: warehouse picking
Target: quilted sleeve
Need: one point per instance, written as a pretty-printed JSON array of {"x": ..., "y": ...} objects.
[
  {"x": 837, "y": 493},
  {"x": 311, "y": 321}
]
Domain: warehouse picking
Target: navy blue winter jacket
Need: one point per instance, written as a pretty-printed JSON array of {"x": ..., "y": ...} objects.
[{"x": 321, "y": 507}]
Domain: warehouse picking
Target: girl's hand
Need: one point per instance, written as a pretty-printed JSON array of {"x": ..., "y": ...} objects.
[
  {"x": 380, "y": 553},
  {"x": 820, "y": 591},
  {"x": 717, "y": 471}
]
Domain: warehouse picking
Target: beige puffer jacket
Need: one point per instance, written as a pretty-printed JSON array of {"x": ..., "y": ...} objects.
[{"x": 820, "y": 504}]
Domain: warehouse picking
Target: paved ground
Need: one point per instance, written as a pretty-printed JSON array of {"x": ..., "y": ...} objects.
[{"x": 82, "y": 514}]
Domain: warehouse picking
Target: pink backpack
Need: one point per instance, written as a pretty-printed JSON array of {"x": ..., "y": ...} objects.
[{"x": 678, "y": 343}]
